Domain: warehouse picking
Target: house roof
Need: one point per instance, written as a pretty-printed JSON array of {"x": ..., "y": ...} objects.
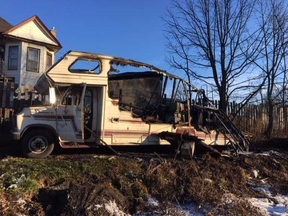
[
  {"x": 4, "y": 25},
  {"x": 9, "y": 32}
]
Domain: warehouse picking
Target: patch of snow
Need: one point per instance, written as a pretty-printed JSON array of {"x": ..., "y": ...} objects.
[
  {"x": 12, "y": 186},
  {"x": 267, "y": 207},
  {"x": 261, "y": 185},
  {"x": 101, "y": 156},
  {"x": 190, "y": 209},
  {"x": 112, "y": 208},
  {"x": 96, "y": 207},
  {"x": 21, "y": 201},
  {"x": 264, "y": 190},
  {"x": 152, "y": 201},
  {"x": 255, "y": 173},
  {"x": 266, "y": 153},
  {"x": 171, "y": 209}
]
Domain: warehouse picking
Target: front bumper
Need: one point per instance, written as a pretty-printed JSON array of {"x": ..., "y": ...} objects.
[{"x": 16, "y": 135}]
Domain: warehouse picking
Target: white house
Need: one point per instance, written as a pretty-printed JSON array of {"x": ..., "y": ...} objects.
[{"x": 27, "y": 50}]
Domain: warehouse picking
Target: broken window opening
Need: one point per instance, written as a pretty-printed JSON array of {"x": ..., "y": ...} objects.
[
  {"x": 147, "y": 94},
  {"x": 86, "y": 66},
  {"x": 72, "y": 96},
  {"x": 174, "y": 105},
  {"x": 136, "y": 88}
]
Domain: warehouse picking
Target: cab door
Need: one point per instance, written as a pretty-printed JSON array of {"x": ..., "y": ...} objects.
[{"x": 70, "y": 116}]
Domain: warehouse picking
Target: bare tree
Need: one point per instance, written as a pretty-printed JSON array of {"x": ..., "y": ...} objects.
[
  {"x": 273, "y": 22},
  {"x": 212, "y": 36},
  {"x": 284, "y": 89}
]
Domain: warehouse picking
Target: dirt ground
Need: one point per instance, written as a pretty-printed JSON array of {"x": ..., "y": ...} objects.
[{"x": 85, "y": 182}]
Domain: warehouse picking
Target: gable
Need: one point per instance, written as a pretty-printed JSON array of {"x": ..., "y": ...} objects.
[{"x": 33, "y": 31}]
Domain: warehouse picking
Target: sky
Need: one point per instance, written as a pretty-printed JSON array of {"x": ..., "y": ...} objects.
[{"x": 125, "y": 28}]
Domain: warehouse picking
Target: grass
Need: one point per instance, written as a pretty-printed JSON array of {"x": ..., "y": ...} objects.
[
  {"x": 29, "y": 186},
  {"x": 39, "y": 170},
  {"x": 30, "y": 174}
]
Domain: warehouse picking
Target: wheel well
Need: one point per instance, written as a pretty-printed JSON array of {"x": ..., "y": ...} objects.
[{"x": 41, "y": 127}]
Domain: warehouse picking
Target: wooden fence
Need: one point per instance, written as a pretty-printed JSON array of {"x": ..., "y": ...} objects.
[
  {"x": 13, "y": 97},
  {"x": 7, "y": 88},
  {"x": 254, "y": 118}
]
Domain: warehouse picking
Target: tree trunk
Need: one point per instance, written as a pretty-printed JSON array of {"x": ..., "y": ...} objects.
[
  {"x": 223, "y": 101},
  {"x": 285, "y": 118}
]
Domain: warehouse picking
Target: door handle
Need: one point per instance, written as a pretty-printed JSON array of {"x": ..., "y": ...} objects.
[{"x": 115, "y": 120}]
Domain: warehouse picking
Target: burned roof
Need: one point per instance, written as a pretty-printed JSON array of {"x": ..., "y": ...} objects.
[
  {"x": 134, "y": 75},
  {"x": 4, "y": 25}
]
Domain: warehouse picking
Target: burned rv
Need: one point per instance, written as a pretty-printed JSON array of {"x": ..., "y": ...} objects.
[{"x": 95, "y": 103}]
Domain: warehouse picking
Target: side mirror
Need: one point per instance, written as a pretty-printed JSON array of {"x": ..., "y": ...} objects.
[{"x": 52, "y": 95}]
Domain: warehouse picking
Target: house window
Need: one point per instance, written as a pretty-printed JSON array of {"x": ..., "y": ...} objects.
[
  {"x": 33, "y": 59},
  {"x": 48, "y": 60},
  {"x": 13, "y": 58}
]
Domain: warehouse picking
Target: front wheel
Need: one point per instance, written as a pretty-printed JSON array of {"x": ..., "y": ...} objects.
[{"x": 37, "y": 144}]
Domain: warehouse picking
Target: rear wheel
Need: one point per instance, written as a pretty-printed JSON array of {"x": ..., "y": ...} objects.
[{"x": 37, "y": 144}]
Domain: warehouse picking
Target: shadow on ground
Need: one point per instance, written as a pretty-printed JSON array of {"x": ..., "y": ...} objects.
[
  {"x": 8, "y": 147},
  {"x": 280, "y": 144}
]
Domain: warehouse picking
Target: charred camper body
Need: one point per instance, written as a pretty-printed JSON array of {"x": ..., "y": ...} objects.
[{"x": 96, "y": 105}]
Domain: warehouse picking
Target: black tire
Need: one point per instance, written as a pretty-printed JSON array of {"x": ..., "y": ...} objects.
[{"x": 37, "y": 144}]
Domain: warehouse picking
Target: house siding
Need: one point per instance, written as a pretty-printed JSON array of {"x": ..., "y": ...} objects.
[
  {"x": 21, "y": 75},
  {"x": 33, "y": 31},
  {"x": 29, "y": 78}
]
